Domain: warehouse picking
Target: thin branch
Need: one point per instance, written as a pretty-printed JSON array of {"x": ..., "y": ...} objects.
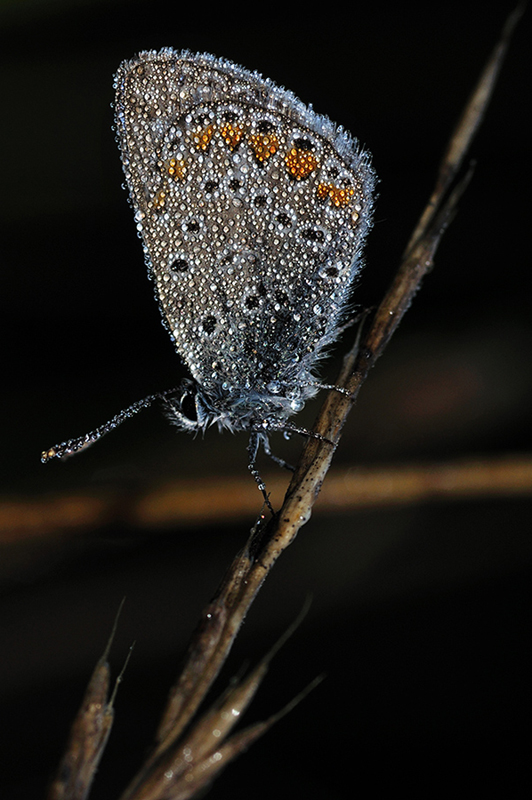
[
  {"x": 467, "y": 125},
  {"x": 89, "y": 733},
  {"x": 219, "y": 499}
]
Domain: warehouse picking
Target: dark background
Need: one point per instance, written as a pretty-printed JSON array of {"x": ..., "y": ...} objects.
[{"x": 420, "y": 615}]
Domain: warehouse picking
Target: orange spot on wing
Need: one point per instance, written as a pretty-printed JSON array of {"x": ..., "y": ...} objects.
[
  {"x": 338, "y": 195},
  {"x": 300, "y": 162},
  {"x": 203, "y": 138},
  {"x": 232, "y": 133},
  {"x": 264, "y": 145}
]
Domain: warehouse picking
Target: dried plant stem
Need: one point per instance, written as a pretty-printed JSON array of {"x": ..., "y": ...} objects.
[
  {"x": 234, "y": 498},
  {"x": 468, "y": 124},
  {"x": 89, "y": 733}
]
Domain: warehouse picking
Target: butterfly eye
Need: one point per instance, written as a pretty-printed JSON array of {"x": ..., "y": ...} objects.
[{"x": 187, "y": 406}]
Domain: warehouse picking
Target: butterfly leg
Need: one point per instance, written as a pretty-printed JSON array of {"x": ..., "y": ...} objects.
[
  {"x": 332, "y": 387},
  {"x": 289, "y": 426},
  {"x": 360, "y": 320},
  {"x": 253, "y": 448},
  {"x": 282, "y": 463}
]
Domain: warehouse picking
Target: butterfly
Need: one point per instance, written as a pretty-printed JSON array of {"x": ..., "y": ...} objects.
[{"x": 253, "y": 211}]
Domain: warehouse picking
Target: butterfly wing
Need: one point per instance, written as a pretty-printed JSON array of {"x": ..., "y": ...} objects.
[{"x": 252, "y": 210}]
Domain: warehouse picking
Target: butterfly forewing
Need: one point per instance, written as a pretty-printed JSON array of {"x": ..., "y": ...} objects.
[{"x": 252, "y": 210}]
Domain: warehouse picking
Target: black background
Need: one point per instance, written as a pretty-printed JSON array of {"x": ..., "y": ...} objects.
[{"x": 420, "y": 616}]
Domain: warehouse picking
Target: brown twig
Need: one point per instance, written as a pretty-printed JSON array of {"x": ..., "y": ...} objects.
[
  {"x": 89, "y": 733},
  {"x": 230, "y": 499}
]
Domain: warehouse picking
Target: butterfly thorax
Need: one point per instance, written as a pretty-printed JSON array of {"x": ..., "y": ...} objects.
[{"x": 237, "y": 408}]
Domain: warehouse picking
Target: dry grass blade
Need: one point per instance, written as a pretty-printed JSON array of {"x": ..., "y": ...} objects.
[
  {"x": 467, "y": 125},
  {"x": 179, "y": 502},
  {"x": 201, "y": 774},
  {"x": 89, "y": 733},
  {"x": 183, "y": 764},
  {"x": 180, "y": 768},
  {"x": 87, "y": 741}
]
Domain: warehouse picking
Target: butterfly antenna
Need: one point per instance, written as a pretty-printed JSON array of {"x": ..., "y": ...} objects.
[{"x": 72, "y": 446}]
